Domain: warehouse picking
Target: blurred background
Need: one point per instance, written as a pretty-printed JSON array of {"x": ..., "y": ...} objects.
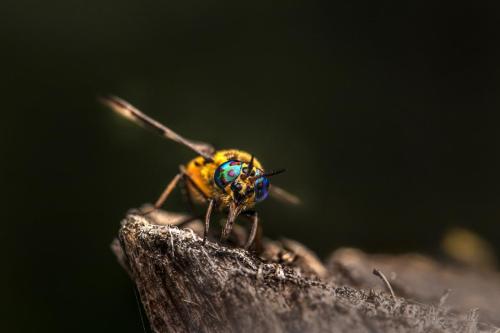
[{"x": 384, "y": 114}]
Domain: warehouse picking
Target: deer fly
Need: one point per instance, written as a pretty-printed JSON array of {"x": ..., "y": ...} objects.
[{"x": 229, "y": 180}]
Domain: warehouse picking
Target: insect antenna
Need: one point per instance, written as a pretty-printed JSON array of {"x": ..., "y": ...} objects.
[
  {"x": 270, "y": 174},
  {"x": 273, "y": 173},
  {"x": 250, "y": 167}
]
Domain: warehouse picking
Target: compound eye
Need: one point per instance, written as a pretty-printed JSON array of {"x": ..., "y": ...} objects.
[
  {"x": 226, "y": 173},
  {"x": 261, "y": 188}
]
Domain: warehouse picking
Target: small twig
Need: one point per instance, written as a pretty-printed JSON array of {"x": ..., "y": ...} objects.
[
  {"x": 444, "y": 297},
  {"x": 386, "y": 282}
]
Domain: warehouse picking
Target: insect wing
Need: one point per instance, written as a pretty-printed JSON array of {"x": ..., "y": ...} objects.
[
  {"x": 130, "y": 112},
  {"x": 283, "y": 195}
]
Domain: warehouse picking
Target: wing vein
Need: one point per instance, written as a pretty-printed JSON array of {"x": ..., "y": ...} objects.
[{"x": 130, "y": 112}]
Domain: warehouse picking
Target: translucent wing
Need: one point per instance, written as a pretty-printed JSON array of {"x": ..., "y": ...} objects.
[
  {"x": 283, "y": 195},
  {"x": 130, "y": 112}
]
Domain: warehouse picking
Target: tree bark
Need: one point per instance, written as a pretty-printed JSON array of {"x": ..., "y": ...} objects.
[{"x": 186, "y": 286}]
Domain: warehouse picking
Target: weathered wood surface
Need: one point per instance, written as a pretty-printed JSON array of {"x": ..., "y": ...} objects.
[
  {"x": 186, "y": 286},
  {"x": 421, "y": 278}
]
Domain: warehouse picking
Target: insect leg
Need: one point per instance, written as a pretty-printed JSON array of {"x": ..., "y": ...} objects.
[
  {"x": 211, "y": 202},
  {"x": 253, "y": 231},
  {"x": 166, "y": 192},
  {"x": 186, "y": 193},
  {"x": 170, "y": 187},
  {"x": 211, "y": 205},
  {"x": 191, "y": 181}
]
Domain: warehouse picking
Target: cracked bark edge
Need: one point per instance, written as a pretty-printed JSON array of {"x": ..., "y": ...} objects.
[{"x": 187, "y": 287}]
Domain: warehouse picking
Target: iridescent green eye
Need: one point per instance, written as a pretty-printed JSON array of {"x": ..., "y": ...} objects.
[{"x": 227, "y": 172}]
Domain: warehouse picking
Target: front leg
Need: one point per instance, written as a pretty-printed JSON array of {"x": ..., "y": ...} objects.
[
  {"x": 211, "y": 205},
  {"x": 254, "y": 217}
]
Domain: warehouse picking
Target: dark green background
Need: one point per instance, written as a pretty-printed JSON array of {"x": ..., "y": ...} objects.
[{"x": 386, "y": 116}]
